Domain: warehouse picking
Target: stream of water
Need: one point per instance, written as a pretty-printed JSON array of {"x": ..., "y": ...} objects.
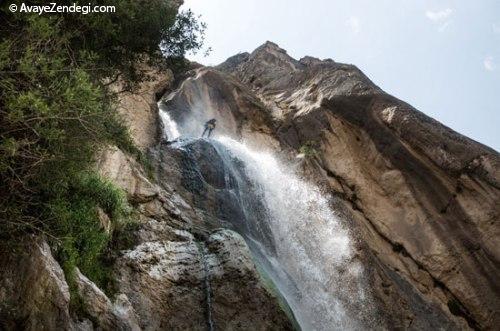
[
  {"x": 207, "y": 287},
  {"x": 295, "y": 236}
]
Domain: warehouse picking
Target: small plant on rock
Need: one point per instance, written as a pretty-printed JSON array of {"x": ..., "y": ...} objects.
[{"x": 309, "y": 148}]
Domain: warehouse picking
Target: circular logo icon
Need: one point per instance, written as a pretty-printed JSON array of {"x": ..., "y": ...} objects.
[{"x": 13, "y": 8}]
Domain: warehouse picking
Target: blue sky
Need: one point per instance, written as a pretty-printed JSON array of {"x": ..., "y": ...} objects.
[{"x": 443, "y": 57}]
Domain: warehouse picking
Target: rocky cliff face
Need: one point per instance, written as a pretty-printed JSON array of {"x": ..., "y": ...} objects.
[
  {"x": 424, "y": 198},
  {"x": 420, "y": 200},
  {"x": 173, "y": 271}
]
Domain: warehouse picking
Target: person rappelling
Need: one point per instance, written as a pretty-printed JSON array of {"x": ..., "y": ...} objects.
[{"x": 209, "y": 126}]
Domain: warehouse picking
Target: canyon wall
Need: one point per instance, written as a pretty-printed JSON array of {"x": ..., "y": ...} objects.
[{"x": 420, "y": 201}]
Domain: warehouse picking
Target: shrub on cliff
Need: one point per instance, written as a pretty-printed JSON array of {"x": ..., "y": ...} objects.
[{"x": 56, "y": 112}]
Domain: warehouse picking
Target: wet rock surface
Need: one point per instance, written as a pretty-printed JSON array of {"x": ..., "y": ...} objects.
[
  {"x": 215, "y": 184},
  {"x": 235, "y": 282},
  {"x": 178, "y": 253}
]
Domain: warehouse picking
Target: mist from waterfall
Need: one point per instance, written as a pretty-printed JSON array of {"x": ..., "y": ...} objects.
[
  {"x": 313, "y": 267},
  {"x": 311, "y": 258}
]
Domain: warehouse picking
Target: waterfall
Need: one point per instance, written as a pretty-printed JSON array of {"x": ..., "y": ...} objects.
[
  {"x": 170, "y": 130},
  {"x": 294, "y": 236},
  {"x": 312, "y": 264}
]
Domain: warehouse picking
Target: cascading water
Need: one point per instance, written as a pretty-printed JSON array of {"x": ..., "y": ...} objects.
[
  {"x": 294, "y": 236},
  {"x": 170, "y": 130},
  {"x": 312, "y": 264}
]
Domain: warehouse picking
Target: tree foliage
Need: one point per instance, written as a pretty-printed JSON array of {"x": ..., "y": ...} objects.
[{"x": 56, "y": 112}]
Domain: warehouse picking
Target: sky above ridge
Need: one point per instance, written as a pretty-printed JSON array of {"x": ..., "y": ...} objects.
[{"x": 442, "y": 57}]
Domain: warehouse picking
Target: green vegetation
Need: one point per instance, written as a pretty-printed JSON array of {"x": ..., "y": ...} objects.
[
  {"x": 309, "y": 148},
  {"x": 82, "y": 242},
  {"x": 56, "y": 112}
]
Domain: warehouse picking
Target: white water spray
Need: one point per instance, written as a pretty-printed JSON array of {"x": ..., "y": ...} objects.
[
  {"x": 170, "y": 130},
  {"x": 312, "y": 262},
  {"x": 313, "y": 247}
]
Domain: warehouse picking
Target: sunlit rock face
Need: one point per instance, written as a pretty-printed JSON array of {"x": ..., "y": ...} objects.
[{"x": 138, "y": 109}]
